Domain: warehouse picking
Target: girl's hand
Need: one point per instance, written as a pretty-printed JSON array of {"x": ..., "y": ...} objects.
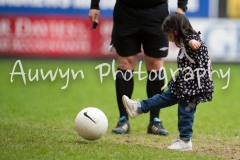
[{"x": 194, "y": 44}]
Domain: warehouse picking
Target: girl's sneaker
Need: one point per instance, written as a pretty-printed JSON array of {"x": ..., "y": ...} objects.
[
  {"x": 131, "y": 106},
  {"x": 181, "y": 145}
]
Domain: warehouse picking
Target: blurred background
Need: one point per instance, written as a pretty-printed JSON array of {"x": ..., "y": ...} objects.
[{"x": 60, "y": 28}]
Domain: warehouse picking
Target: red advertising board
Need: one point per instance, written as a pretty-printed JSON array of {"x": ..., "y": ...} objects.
[{"x": 54, "y": 37}]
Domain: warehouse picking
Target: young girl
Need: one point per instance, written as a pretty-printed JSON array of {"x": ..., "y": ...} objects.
[{"x": 190, "y": 87}]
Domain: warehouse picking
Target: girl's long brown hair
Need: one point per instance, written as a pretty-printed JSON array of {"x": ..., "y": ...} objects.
[{"x": 180, "y": 23}]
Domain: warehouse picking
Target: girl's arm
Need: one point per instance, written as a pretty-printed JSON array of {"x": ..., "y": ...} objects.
[{"x": 194, "y": 44}]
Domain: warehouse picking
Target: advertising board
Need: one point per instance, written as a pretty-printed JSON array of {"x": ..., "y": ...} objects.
[{"x": 60, "y": 28}]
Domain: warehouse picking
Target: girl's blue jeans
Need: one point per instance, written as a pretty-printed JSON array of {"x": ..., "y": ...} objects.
[{"x": 185, "y": 111}]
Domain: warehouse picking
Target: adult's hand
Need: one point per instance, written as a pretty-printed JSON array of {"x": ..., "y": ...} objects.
[
  {"x": 93, "y": 15},
  {"x": 179, "y": 10}
]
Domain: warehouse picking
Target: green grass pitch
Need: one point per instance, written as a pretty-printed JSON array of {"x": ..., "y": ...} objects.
[{"x": 37, "y": 116}]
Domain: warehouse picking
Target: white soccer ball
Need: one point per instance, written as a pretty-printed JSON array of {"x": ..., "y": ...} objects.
[{"x": 91, "y": 123}]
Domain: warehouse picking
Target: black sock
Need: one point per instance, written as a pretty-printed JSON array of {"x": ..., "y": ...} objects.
[
  {"x": 124, "y": 86},
  {"x": 154, "y": 87}
]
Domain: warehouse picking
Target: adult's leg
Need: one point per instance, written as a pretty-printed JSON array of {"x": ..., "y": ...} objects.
[
  {"x": 155, "y": 46},
  {"x": 124, "y": 80},
  {"x": 154, "y": 82},
  {"x": 155, "y": 103},
  {"x": 125, "y": 39},
  {"x": 124, "y": 86}
]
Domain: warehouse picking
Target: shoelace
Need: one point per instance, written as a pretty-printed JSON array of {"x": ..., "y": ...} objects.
[
  {"x": 120, "y": 122},
  {"x": 136, "y": 101},
  {"x": 159, "y": 124},
  {"x": 176, "y": 141}
]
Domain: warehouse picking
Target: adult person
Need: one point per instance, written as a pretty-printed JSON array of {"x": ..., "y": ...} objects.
[{"x": 136, "y": 26}]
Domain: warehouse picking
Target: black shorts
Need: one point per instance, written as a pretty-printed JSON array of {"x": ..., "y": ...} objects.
[{"x": 136, "y": 28}]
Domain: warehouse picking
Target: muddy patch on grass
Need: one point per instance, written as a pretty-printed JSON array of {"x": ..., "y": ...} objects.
[{"x": 209, "y": 145}]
